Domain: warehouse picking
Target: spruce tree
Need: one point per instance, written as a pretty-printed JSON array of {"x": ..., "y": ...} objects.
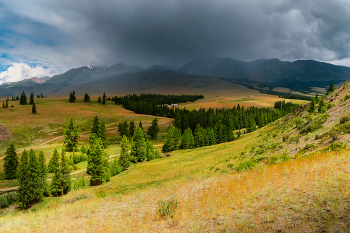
[
  {"x": 66, "y": 181},
  {"x": 23, "y": 99},
  {"x": 149, "y": 150},
  {"x": 124, "y": 158},
  {"x": 330, "y": 88},
  {"x": 86, "y": 98},
  {"x": 138, "y": 146},
  {"x": 102, "y": 134},
  {"x": 95, "y": 125},
  {"x": 7, "y": 103},
  {"x": 198, "y": 136},
  {"x": 23, "y": 192},
  {"x": 31, "y": 99},
  {"x": 172, "y": 140},
  {"x": 72, "y": 97},
  {"x": 316, "y": 98},
  {"x": 322, "y": 105},
  {"x": 56, "y": 182},
  {"x": 97, "y": 163},
  {"x": 211, "y": 136},
  {"x": 54, "y": 162},
  {"x": 153, "y": 130},
  {"x": 11, "y": 162},
  {"x": 251, "y": 124},
  {"x": 35, "y": 182},
  {"x": 99, "y": 99},
  {"x": 43, "y": 173},
  {"x": 140, "y": 125},
  {"x": 71, "y": 135},
  {"x": 34, "y": 108},
  {"x": 132, "y": 128},
  {"x": 104, "y": 98},
  {"x": 187, "y": 141},
  {"x": 312, "y": 107},
  {"x": 115, "y": 168},
  {"x": 123, "y": 129}
]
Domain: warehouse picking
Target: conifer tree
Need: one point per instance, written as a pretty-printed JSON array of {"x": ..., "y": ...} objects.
[
  {"x": 72, "y": 97},
  {"x": 172, "y": 140},
  {"x": 23, "y": 99},
  {"x": 7, "y": 103},
  {"x": 149, "y": 150},
  {"x": 86, "y": 98},
  {"x": 99, "y": 99},
  {"x": 251, "y": 124},
  {"x": 187, "y": 141},
  {"x": 43, "y": 173},
  {"x": 124, "y": 158},
  {"x": 71, "y": 135},
  {"x": 153, "y": 130},
  {"x": 31, "y": 99},
  {"x": 115, "y": 168},
  {"x": 211, "y": 136},
  {"x": 3, "y": 104},
  {"x": 198, "y": 137},
  {"x": 54, "y": 162},
  {"x": 316, "y": 98},
  {"x": 11, "y": 162},
  {"x": 140, "y": 125},
  {"x": 56, "y": 183},
  {"x": 330, "y": 88},
  {"x": 132, "y": 128},
  {"x": 35, "y": 182},
  {"x": 138, "y": 146},
  {"x": 123, "y": 129},
  {"x": 104, "y": 98},
  {"x": 312, "y": 107},
  {"x": 322, "y": 105},
  {"x": 102, "y": 134},
  {"x": 95, "y": 125},
  {"x": 97, "y": 163},
  {"x": 34, "y": 108},
  {"x": 66, "y": 181},
  {"x": 23, "y": 192}
]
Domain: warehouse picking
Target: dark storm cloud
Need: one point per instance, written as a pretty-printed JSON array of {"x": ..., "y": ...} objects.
[{"x": 175, "y": 32}]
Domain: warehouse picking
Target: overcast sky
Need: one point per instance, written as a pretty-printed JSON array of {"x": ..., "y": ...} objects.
[{"x": 41, "y": 37}]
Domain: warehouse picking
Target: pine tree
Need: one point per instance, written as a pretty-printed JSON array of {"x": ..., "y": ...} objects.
[
  {"x": 86, "y": 98},
  {"x": 97, "y": 163},
  {"x": 71, "y": 135},
  {"x": 153, "y": 130},
  {"x": 211, "y": 136},
  {"x": 23, "y": 180},
  {"x": 132, "y": 128},
  {"x": 187, "y": 141},
  {"x": 7, "y": 103},
  {"x": 34, "y": 108},
  {"x": 198, "y": 137},
  {"x": 23, "y": 99},
  {"x": 312, "y": 107},
  {"x": 115, "y": 168},
  {"x": 172, "y": 140},
  {"x": 11, "y": 163},
  {"x": 66, "y": 181},
  {"x": 95, "y": 125},
  {"x": 316, "y": 98},
  {"x": 31, "y": 99},
  {"x": 138, "y": 146},
  {"x": 104, "y": 98},
  {"x": 123, "y": 129},
  {"x": 330, "y": 88},
  {"x": 102, "y": 134},
  {"x": 251, "y": 125},
  {"x": 140, "y": 125},
  {"x": 99, "y": 100},
  {"x": 124, "y": 158},
  {"x": 149, "y": 150},
  {"x": 35, "y": 182},
  {"x": 56, "y": 183},
  {"x": 54, "y": 162},
  {"x": 43, "y": 173},
  {"x": 322, "y": 105},
  {"x": 72, "y": 97}
]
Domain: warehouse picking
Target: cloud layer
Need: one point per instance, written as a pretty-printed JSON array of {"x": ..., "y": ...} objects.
[{"x": 65, "y": 34}]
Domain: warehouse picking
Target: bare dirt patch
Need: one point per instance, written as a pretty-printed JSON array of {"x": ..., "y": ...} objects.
[{"x": 5, "y": 133}]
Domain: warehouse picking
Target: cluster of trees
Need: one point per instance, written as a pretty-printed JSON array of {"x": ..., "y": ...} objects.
[
  {"x": 23, "y": 101},
  {"x": 14, "y": 98},
  {"x": 41, "y": 96},
  {"x": 321, "y": 104},
  {"x": 99, "y": 130},
  {"x": 128, "y": 130},
  {"x": 154, "y": 104},
  {"x": 6, "y": 104},
  {"x": 296, "y": 97}
]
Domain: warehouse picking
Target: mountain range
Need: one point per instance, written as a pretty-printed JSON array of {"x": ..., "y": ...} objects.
[{"x": 300, "y": 75}]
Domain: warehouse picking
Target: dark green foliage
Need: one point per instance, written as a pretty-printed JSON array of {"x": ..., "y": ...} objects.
[
  {"x": 314, "y": 123},
  {"x": 114, "y": 167},
  {"x": 66, "y": 181},
  {"x": 249, "y": 164},
  {"x": 124, "y": 158},
  {"x": 43, "y": 174},
  {"x": 11, "y": 197},
  {"x": 71, "y": 135},
  {"x": 102, "y": 134},
  {"x": 251, "y": 125},
  {"x": 72, "y": 97},
  {"x": 23, "y": 99},
  {"x": 11, "y": 163},
  {"x": 153, "y": 130},
  {"x": 104, "y": 98},
  {"x": 297, "y": 97},
  {"x": 35, "y": 182},
  {"x": 138, "y": 146},
  {"x": 172, "y": 140},
  {"x": 187, "y": 141},
  {"x": 123, "y": 129},
  {"x": 34, "y": 108},
  {"x": 312, "y": 107},
  {"x": 99, "y": 99},
  {"x": 140, "y": 125},
  {"x": 84, "y": 149},
  {"x": 81, "y": 183},
  {"x": 24, "y": 195},
  {"x": 132, "y": 128},
  {"x": 322, "y": 105},
  {"x": 86, "y": 98},
  {"x": 316, "y": 98},
  {"x": 150, "y": 151},
  {"x": 330, "y": 88},
  {"x": 56, "y": 182},
  {"x": 31, "y": 98},
  {"x": 3, "y": 202},
  {"x": 98, "y": 161}
]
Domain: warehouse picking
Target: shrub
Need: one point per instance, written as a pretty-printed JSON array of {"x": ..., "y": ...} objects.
[
  {"x": 335, "y": 146},
  {"x": 3, "y": 201},
  {"x": 334, "y": 134},
  {"x": 315, "y": 123},
  {"x": 329, "y": 106},
  {"x": 80, "y": 183},
  {"x": 166, "y": 209},
  {"x": 11, "y": 197},
  {"x": 285, "y": 156},
  {"x": 285, "y": 137},
  {"x": 346, "y": 97},
  {"x": 230, "y": 165},
  {"x": 245, "y": 165},
  {"x": 76, "y": 196},
  {"x": 345, "y": 118},
  {"x": 100, "y": 194},
  {"x": 299, "y": 122}
]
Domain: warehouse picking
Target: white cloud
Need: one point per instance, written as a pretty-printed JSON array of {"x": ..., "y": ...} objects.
[{"x": 20, "y": 71}]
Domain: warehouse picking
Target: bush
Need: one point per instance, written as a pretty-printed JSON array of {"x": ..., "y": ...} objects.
[
  {"x": 285, "y": 137},
  {"x": 3, "y": 201},
  {"x": 230, "y": 165},
  {"x": 299, "y": 122},
  {"x": 329, "y": 106},
  {"x": 285, "y": 156},
  {"x": 314, "y": 123},
  {"x": 334, "y": 134},
  {"x": 100, "y": 194},
  {"x": 11, "y": 197},
  {"x": 166, "y": 209},
  {"x": 345, "y": 118},
  {"x": 81, "y": 183},
  {"x": 245, "y": 165},
  {"x": 346, "y": 97},
  {"x": 76, "y": 158}
]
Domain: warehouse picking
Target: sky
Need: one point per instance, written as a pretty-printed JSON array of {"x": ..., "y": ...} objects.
[{"x": 42, "y": 38}]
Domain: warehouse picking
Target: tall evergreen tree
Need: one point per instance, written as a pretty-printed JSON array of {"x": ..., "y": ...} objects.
[
  {"x": 35, "y": 182},
  {"x": 172, "y": 140},
  {"x": 330, "y": 88},
  {"x": 66, "y": 181},
  {"x": 34, "y": 108},
  {"x": 31, "y": 99},
  {"x": 138, "y": 146},
  {"x": 99, "y": 99},
  {"x": 124, "y": 158},
  {"x": 149, "y": 150},
  {"x": 316, "y": 98},
  {"x": 24, "y": 195},
  {"x": 104, "y": 98},
  {"x": 140, "y": 125},
  {"x": 71, "y": 135},
  {"x": 132, "y": 128},
  {"x": 115, "y": 168},
  {"x": 322, "y": 105},
  {"x": 56, "y": 183},
  {"x": 312, "y": 107},
  {"x": 102, "y": 134},
  {"x": 153, "y": 130},
  {"x": 95, "y": 125},
  {"x": 11, "y": 162},
  {"x": 251, "y": 124},
  {"x": 97, "y": 163},
  {"x": 23, "y": 99},
  {"x": 187, "y": 141},
  {"x": 54, "y": 162},
  {"x": 86, "y": 98},
  {"x": 123, "y": 129},
  {"x": 43, "y": 173},
  {"x": 72, "y": 97}
]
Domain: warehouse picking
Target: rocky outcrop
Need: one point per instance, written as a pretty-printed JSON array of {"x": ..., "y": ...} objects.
[{"x": 5, "y": 133}]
